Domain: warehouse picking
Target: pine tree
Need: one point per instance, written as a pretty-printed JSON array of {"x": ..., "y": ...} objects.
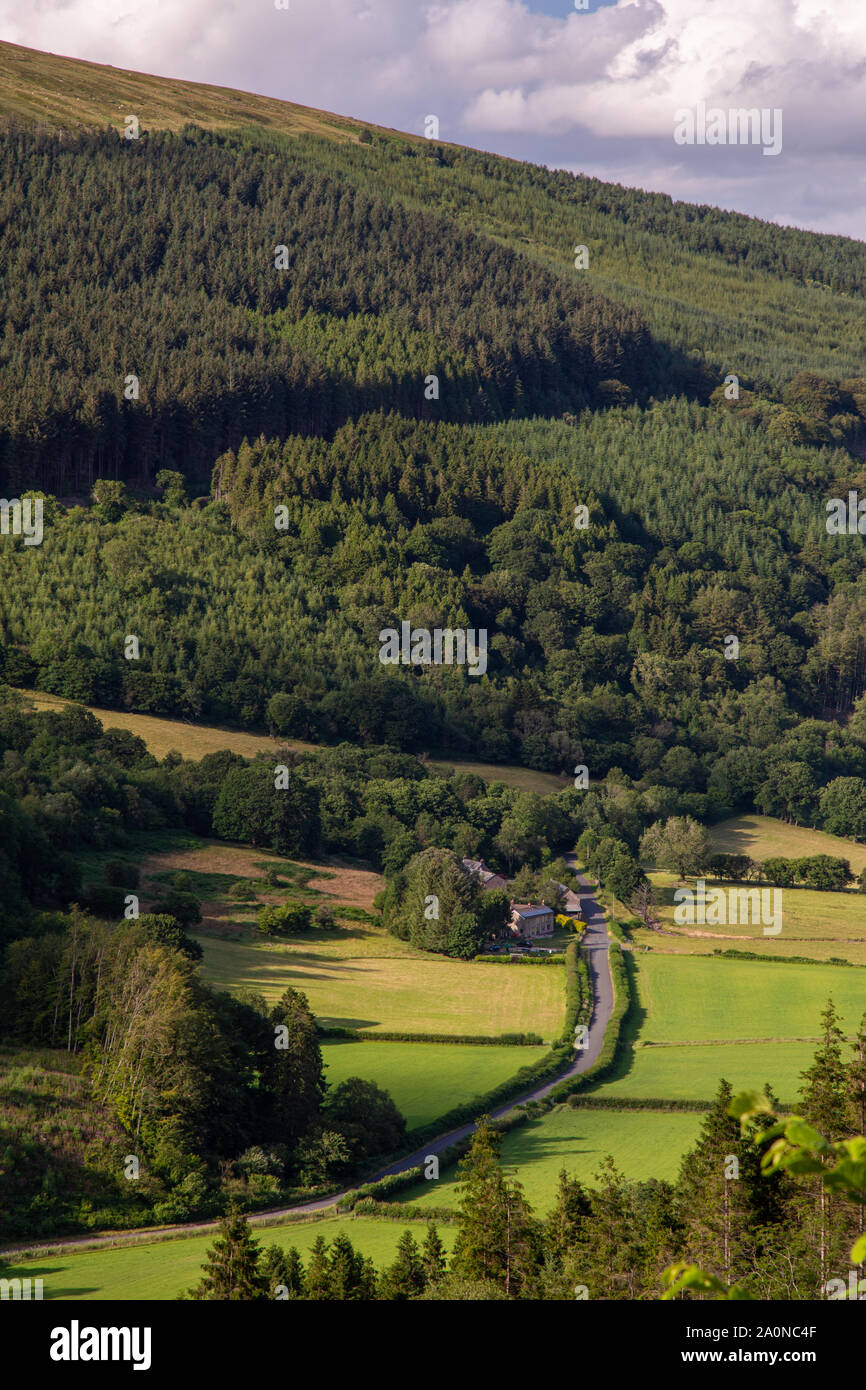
[
  {"x": 564, "y": 1227},
  {"x": 283, "y": 1270},
  {"x": 610, "y": 1260},
  {"x": 295, "y": 1280},
  {"x": 826, "y": 1103},
  {"x": 351, "y": 1276},
  {"x": 433, "y": 1254},
  {"x": 857, "y": 1080},
  {"x": 498, "y": 1239},
  {"x": 724, "y": 1198},
  {"x": 405, "y": 1278},
  {"x": 231, "y": 1268},
  {"x": 318, "y": 1277},
  {"x": 857, "y": 1088},
  {"x": 825, "y": 1096}
]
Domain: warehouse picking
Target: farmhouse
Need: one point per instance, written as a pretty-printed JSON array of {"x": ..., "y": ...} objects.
[
  {"x": 489, "y": 879},
  {"x": 571, "y": 906},
  {"x": 528, "y": 922}
]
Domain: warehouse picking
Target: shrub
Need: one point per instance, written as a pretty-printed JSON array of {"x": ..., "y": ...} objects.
[{"x": 118, "y": 873}]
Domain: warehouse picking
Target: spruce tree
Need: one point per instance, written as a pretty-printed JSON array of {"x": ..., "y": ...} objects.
[
  {"x": 433, "y": 1255},
  {"x": 610, "y": 1262},
  {"x": 318, "y": 1277},
  {"x": 283, "y": 1270},
  {"x": 405, "y": 1278},
  {"x": 564, "y": 1227},
  {"x": 825, "y": 1101},
  {"x": 498, "y": 1238},
  {"x": 857, "y": 1089},
  {"x": 724, "y": 1198},
  {"x": 231, "y": 1268},
  {"x": 825, "y": 1096},
  {"x": 351, "y": 1276}
]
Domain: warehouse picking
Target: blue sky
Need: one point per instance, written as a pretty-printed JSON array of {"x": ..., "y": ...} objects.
[{"x": 595, "y": 91}]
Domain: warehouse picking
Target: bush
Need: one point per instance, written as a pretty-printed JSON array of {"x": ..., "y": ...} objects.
[
  {"x": 286, "y": 920},
  {"x": 104, "y": 900},
  {"x": 118, "y": 873},
  {"x": 242, "y": 891},
  {"x": 182, "y": 905}
]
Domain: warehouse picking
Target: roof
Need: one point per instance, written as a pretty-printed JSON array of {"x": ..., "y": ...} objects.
[
  {"x": 478, "y": 867},
  {"x": 527, "y": 910}
]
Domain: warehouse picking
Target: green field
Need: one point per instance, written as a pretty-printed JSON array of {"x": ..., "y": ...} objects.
[
  {"x": 163, "y": 1269},
  {"x": 427, "y": 1079},
  {"x": 763, "y": 837},
  {"x": 195, "y": 740},
  {"x": 693, "y": 1072},
  {"x": 399, "y": 993},
  {"x": 644, "y": 1144},
  {"x": 694, "y": 999},
  {"x": 821, "y": 918},
  {"x": 853, "y": 951}
]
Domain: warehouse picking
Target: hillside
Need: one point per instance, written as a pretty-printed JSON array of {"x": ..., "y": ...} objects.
[
  {"x": 378, "y": 532},
  {"x": 68, "y": 93},
  {"x": 720, "y": 291}
]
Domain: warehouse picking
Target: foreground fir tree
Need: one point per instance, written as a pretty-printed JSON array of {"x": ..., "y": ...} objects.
[
  {"x": 433, "y": 1255},
  {"x": 498, "y": 1239},
  {"x": 825, "y": 1102},
  {"x": 722, "y": 1196},
  {"x": 283, "y": 1272},
  {"x": 318, "y": 1277},
  {"x": 406, "y": 1277},
  {"x": 350, "y": 1274},
  {"x": 231, "y": 1268}
]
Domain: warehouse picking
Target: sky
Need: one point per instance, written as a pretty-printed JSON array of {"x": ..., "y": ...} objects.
[{"x": 600, "y": 91}]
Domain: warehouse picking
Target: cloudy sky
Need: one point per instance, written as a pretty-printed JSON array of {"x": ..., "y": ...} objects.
[{"x": 595, "y": 91}]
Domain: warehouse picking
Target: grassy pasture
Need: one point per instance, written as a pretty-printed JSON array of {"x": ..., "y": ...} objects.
[
  {"x": 214, "y": 867},
  {"x": 394, "y": 990},
  {"x": 163, "y": 1269},
  {"x": 427, "y": 1079},
  {"x": 194, "y": 741},
  {"x": 64, "y": 92},
  {"x": 644, "y": 1144},
  {"x": 764, "y": 837},
  {"x": 693, "y": 1072},
  {"x": 806, "y": 913},
  {"x": 853, "y": 951},
  {"x": 686, "y": 999}
]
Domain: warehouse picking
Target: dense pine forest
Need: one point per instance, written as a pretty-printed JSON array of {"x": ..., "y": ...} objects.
[{"x": 167, "y": 261}]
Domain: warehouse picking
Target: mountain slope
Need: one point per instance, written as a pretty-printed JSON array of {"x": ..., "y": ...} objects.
[{"x": 722, "y": 291}]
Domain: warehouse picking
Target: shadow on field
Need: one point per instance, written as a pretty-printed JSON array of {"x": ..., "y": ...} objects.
[{"x": 330, "y": 1022}]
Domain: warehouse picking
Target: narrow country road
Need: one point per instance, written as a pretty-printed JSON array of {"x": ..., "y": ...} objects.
[{"x": 595, "y": 940}]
